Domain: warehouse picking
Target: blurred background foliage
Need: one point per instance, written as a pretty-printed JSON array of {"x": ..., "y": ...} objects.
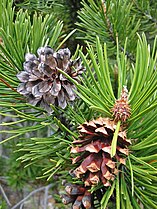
[{"x": 37, "y": 145}]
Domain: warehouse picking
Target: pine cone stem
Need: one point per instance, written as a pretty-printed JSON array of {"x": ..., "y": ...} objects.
[{"x": 114, "y": 140}]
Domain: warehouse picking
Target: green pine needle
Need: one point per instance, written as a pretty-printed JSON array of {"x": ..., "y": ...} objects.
[{"x": 114, "y": 140}]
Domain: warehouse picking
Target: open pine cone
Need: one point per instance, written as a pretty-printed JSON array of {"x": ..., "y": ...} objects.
[
  {"x": 42, "y": 83},
  {"x": 79, "y": 196},
  {"x": 93, "y": 149}
]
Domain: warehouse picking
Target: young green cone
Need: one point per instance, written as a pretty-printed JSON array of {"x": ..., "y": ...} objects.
[{"x": 121, "y": 110}]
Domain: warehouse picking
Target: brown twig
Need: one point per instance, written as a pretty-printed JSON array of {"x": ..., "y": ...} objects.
[{"x": 7, "y": 84}]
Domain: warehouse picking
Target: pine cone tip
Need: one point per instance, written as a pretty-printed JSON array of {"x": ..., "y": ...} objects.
[{"x": 121, "y": 110}]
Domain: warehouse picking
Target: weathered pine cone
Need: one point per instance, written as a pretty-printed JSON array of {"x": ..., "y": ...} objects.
[
  {"x": 79, "y": 196},
  {"x": 93, "y": 149},
  {"x": 121, "y": 110},
  {"x": 42, "y": 83}
]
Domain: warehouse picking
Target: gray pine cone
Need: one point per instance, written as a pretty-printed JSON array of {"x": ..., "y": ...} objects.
[{"x": 41, "y": 82}]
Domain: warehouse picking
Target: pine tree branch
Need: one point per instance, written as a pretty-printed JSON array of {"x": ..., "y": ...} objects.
[
  {"x": 146, "y": 14},
  {"x": 46, "y": 195}
]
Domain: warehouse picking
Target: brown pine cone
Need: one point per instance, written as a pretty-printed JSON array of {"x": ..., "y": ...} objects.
[
  {"x": 93, "y": 149},
  {"x": 41, "y": 82},
  {"x": 79, "y": 196}
]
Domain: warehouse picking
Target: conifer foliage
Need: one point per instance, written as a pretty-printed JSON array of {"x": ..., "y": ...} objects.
[{"x": 87, "y": 119}]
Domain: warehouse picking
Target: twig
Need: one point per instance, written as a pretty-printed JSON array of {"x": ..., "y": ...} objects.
[
  {"x": 28, "y": 196},
  {"x": 46, "y": 195},
  {"x": 5, "y": 196},
  {"x": 7, "y": 84},
  {"x": 21, "y": 206}
]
